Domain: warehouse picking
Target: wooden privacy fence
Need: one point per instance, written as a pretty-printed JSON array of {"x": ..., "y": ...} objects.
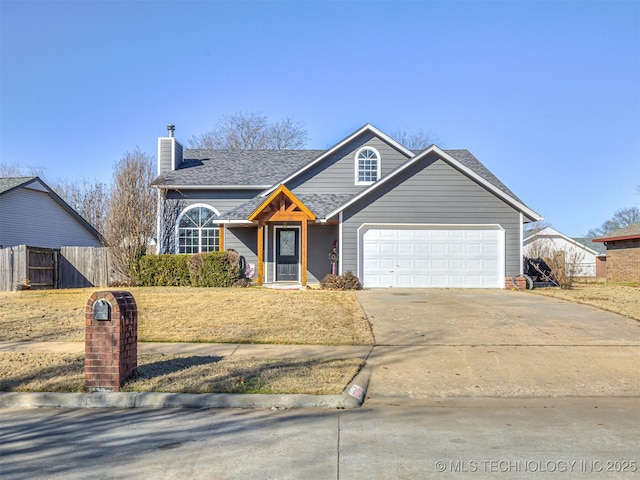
[{"x": 67, "y": 267}]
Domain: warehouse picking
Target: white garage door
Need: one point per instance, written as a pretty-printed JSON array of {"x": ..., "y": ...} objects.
[{"x": 443, "y": 257}]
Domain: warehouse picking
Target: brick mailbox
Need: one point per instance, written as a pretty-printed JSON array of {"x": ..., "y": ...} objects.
[{"x": 111, "y": 340}]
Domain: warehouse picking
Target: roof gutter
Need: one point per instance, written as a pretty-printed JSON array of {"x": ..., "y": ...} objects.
[{"x": 616, "y": 239}]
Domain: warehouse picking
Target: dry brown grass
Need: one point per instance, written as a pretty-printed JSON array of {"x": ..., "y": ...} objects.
[
  {"x": 622, "y": 299},
  {"x": 182, "y": 314},
  {"x": 48, "y": 372}
]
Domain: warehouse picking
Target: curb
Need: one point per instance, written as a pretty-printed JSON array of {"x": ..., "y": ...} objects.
[{"x": 352, "y": 397}]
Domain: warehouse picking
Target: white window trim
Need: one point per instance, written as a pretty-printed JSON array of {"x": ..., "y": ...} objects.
[
  {"x": 185, "y": 210},
  {"x": 357, "y": 169}
]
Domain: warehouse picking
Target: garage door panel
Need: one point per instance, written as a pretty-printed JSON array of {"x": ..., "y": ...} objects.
[
  {"x": 432, "y": 257},
  {"x": 387, "y": 263}
]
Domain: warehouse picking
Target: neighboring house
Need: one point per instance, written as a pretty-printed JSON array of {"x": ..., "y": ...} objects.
[
  {"x": 537, "y": 240},
  {"x": 437, "y": 218},
  {"x": 33, "y": 214},
  {"x": 623, "y": 254},
  {"x": 600, "y": 249}
]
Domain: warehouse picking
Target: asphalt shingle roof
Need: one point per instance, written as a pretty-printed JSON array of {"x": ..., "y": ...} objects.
[
  {"x": 598, "y": 247},
  {"x": 468, "y": 160},
  {"x": 319, "y": 204},
  {"x": 265, "y": 168},
  {"x": 236, "y": 167},
  {"x": 9, "y": 183},
  {"x": 628, "y": 231}
]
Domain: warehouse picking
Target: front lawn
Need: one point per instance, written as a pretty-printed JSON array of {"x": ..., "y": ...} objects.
[
  {"x": 49, "y": 372},
  {"x": 184, "y": 314},
  {"x": 622, "y": 299}
]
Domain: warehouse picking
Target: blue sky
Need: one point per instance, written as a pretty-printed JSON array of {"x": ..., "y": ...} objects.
[{"x": 545, "y": 94}]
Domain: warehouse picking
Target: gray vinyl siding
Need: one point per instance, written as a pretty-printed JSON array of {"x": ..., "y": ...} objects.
[
  {"x": 164, "y": 154},
  {"x": 221, "y": 200},
  {"x": 32, "y": 217},
  {"x": 336, "y": 173},
  {"x": 178, "y": 157},
  {"x": 244, "y": 241},
  {"x": 432, "y": 192},
  {"x": 320, "y": 241}
]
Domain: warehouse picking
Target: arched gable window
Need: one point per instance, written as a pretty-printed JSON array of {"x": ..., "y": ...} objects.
[
  {"x": 367, "y": 166},
  {"x": 197, "y": 232}
]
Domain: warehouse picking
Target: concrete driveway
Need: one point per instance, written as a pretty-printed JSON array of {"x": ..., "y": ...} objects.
[{"x": 434, "y": 344}]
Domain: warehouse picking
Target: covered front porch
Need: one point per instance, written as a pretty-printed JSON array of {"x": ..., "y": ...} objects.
[{"x": 291, "y": 245}]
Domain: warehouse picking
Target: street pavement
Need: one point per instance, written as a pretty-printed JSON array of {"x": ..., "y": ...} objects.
[
  {"x": 464, "y": 384},
  {"x": 552, "y": 438}
]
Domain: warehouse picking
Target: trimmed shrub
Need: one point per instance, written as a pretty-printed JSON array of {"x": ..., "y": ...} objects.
[
  {"x": 213, "y": 269},
  {"x": 218, "y": 269},
  {"x": 164, "y": 270},
  {"x": 348, "y": 281}
]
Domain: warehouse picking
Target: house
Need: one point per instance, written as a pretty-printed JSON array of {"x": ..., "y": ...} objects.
[
  {"x": 536, "y": 240},
  {"x": 601, "y": 258},
  {"x": 31, "y": 213},
  {"x": 396, "y": 218},
  {"x": 623, "y": 254}
]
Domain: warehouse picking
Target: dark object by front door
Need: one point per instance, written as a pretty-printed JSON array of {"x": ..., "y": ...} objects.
[{"x": 287, "y": 254}]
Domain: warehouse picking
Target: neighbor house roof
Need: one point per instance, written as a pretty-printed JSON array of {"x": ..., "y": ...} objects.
[
  {"x": 588, "y": 242},
  {"x": 9, "y": 183},
  {"x": 534, "y": 234},
  {"x": 627, "y": 233}
]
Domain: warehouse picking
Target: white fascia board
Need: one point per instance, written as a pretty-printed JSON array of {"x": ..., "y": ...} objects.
[
  {"x": 456, "y": 164},
  {"x": 487, "y": 184},
  {"x": 360, "y": 131},
  {"x": 233, "y": 222}
]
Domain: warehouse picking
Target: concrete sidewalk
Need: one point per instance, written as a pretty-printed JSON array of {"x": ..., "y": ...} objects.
[
  {"x": 352, "y": 396},
  {"x": 216, "y": 349}
]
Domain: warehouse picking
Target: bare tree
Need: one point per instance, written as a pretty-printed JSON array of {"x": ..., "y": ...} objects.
[
  {"x": 565, "y": 263},
  {"x": 17, "y": 170},
  {"x": 90, "y": 200},
  {"x": 538, "y": 225},
  {"x": 130, "y": 224},
  {"x": 621, "y": 218},
  {"x": 416, "y": 139},
  {"x": 252, "y": 131},
  {"x": 169, "y": 212}
]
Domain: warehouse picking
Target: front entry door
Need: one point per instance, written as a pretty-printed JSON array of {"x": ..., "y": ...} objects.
[{"x": 287, "y": 254}]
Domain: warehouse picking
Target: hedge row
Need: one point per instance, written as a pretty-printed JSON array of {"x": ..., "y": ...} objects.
[{"x": 212, "y": 269}]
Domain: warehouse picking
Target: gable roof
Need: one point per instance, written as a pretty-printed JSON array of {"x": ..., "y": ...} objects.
[
  {"x": 466, "y": 167},
  {"x": 257, "y": 169},
  {"x": 266, "y": 170},
  {"x": 8, "y": 184},
  {"x": 285, "y": 192},
  {"x": 629, "y": 232},
  {"x": 319, "y": 203},
  {"x": 364, "y": 129},
  {"x": 588, "y": 242},
  {"x": 546, "y": 232}
]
